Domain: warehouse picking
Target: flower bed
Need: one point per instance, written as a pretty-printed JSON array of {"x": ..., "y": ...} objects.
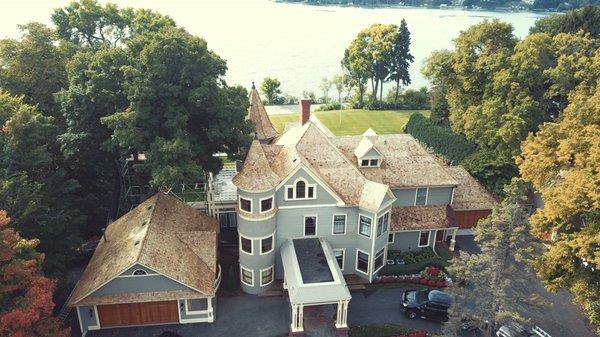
[
  {"x": 430, "y": 276},
  {"x": 406, "y": 263}
]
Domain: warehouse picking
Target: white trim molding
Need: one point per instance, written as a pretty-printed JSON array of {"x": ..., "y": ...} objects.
[
  {"x": 368, "y": 262},
  {"x": 426, "y": 195},
  {"x": 241, "y": 246},
  {"x": 343, "y": 250},
  {"x": 370, "y": 227},
  {"x": 272, "y": 236},
  {"x": 304, "y": 224},
  {"x": 240, "y": 204},
  {"x": 260, "y": 210},
  {"x": 428, "y": 239},
  {"x": 272, "y": 268}
]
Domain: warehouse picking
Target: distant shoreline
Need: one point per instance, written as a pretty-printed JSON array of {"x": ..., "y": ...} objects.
[{"x": 497, "y": 10}]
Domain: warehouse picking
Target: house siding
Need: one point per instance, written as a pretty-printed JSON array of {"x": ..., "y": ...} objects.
[
  {"x": 409, "y": 241},
  {"x": 139, "y": 284},
  {"x": 87, "y": 318},
  {"x": 435, "y": 196}
]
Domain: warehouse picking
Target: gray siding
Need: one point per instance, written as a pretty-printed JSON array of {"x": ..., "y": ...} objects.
[
  {"x": 439, "y": 196},
  {"x": 255, "y": 197},
  {"x": 404, "y": 196},
  {"x": 139, "y": 284},
  {"x": 322, "y": 197},
  {"x": 256, "y": 228},
  {"x": 409, "y": 241},
  {"x": 130, "y": 271},
  {"x": 86, "y": 319}
]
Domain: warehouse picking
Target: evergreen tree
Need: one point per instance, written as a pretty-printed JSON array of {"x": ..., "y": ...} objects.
[{"x": 401, "y": 59}]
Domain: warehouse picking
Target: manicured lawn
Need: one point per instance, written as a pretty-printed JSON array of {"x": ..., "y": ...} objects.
[
  {"x": 355, "y": 122},
  {"x": 280, "y": 120},
  {"x": 378, "y": 330}
]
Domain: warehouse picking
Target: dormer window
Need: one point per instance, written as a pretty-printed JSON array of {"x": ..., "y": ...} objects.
[
  {"x": 369, "y": 163},
  {"x": 300, "y": 190}
]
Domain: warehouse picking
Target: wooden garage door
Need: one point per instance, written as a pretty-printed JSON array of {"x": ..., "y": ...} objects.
[{"x": 138, "y": 313}]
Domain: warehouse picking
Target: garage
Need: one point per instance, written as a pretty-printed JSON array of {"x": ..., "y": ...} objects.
[{"x": 138, "y": 313}]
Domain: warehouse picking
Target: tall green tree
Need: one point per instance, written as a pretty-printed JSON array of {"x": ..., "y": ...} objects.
[
  {"x": 492, "y": 286},
  {"x": 271, "y": 88},
  {"x": 401, "y": 58},
  {"x": 34, "y": 66},
  {"x": 180, "y": 111},
  {"x": 34, "y": 188},
  {"x": 586, "y": 19}
]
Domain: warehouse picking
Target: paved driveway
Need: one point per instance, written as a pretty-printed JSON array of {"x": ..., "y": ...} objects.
[{"x": 561, "y": 319}]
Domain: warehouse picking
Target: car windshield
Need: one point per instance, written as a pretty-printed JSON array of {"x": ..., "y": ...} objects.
[
  {"x": 417, "y": 296},
  {"x": 440, "y": 297}
]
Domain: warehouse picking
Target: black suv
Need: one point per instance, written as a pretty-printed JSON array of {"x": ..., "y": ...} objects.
[{"x": 430, "y": 304}]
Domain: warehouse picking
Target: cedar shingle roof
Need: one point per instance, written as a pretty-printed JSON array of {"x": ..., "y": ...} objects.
[
  {"x": 256, "y": 174},
  {"x": 258, "y": 115},
  {"x": 163, "y": 234},
  {"x": 405, "y": 163},
  {"x": 422, "y": 217},
  {"x": 469, "y": 194}
]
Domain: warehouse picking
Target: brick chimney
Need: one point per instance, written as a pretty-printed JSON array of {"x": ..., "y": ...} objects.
[{"x": 304, "y": 110}]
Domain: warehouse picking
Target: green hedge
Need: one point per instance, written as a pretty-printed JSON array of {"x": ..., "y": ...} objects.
[{"x": 452, "y": 146}]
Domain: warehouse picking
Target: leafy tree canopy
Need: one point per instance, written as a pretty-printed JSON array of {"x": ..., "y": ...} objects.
[
  {"x": 271, "y": 88},
  {"x": 586, "y": 19}
]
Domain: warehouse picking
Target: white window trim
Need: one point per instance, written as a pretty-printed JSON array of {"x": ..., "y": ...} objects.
[
  {"x": 393, "y": 237},
  {"x": 343, "y": 250},
  {"x": 242, "y": 275},
  {"x": 387, "y": 227},
  {"x": 379, "y": 160},
  {"x": 195, "y": 312},
  {"x": 368, "y": 262},
  {"x": 426, "y": 195},
  {"x": 428, "y": 239},
  {"x": 260, "y": 204},
  {"x": 272, "y": 244},
  {"x": 272, "y": 276},
  {"x": 383, "y": 259},
  {"x": 371, "y": 229},
  {"x": 316, "y": 225},
  {"x": 240, "y": 205},
  {"x": 293, "y": 187},
  {"x": 251, "y": 245},
  {"x": 333, "y": 224}
]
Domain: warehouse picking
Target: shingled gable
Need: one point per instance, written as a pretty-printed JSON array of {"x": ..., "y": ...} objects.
[
  {"x": 258, "y": 115},
  {"x": 256, "y": 174},
  {"x": 163, "y": 234}
]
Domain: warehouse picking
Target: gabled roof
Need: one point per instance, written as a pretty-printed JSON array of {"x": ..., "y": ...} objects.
[
  {"x": 258, "y": 115},
  {"x": 364, "y": 146},
  {"x": 469, "y": 195},
  {"x": 256, "y": 174},
  {"x": 163, "y": 234},
  {"x": 406, "y": 164},
  {"x": 370, "y": 132}
]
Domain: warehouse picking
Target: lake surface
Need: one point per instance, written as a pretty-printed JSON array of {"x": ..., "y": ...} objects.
[{"x": 298, "y": 44}]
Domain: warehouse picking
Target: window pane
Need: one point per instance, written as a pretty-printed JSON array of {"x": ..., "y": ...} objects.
[
  {"x": 290, "y": 193},
  {"x": 339, "y": 224},
  {"x": 266, "y": 244},
  {"x": 310, "y": 225},
  {"x": 197, "y": 304},
  {"x": 363, "y": 262},
  {"x": 246, "y": 245},
  {"x": 247, "y": 276},
  {"x": 365, "y": 226},
  {"x": 364, "y": 162},
  {"x": 300, "y": 190},
  {"x": 246, "y": 205},
  {"x": 266, "y": 205},
  {"x": 421, "y": 196},
  {"x": 373, "y": 162},
  {"x": 339, "y": 256},
  {"x": 232, "y": 220},
  {"x": 311, "y": 192},
  {"x": 223, "y": 220},
  {"x": 379, "y": 259},
  {"x": 391, "y": 238},
  {"x": 266, "y": 276},
  {"x": 424, "y": 239}
]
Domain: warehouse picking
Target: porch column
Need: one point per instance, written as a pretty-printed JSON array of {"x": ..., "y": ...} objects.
[
  {"x": 297, "y": 318},
  {"x": 453, "y": 241},
  {"x": 342, "y": 314}
]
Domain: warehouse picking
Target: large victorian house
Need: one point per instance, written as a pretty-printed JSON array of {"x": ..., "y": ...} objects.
[{"x": 307, "y": 210}]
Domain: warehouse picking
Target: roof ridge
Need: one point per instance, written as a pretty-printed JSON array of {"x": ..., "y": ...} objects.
[{"x": 143, "y": 242}]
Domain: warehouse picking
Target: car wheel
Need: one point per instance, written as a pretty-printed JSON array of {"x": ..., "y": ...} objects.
[{"x": 412, "y": 315}]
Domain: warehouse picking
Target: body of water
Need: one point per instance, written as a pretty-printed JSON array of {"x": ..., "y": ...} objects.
[{"x": 298, "y": 44}]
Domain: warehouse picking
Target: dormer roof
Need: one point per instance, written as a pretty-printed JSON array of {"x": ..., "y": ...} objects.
[
  {"x": 258, "y": 115},
  {"x": 364, "y": 146}
]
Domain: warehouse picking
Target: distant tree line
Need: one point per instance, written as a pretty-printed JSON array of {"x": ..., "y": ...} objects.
[{"x": 559, "y": 5}]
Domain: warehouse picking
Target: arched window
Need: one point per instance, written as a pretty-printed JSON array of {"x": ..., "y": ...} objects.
[
  {"x": 300, "y": 190},
  {"x": 139, "y": 272}
]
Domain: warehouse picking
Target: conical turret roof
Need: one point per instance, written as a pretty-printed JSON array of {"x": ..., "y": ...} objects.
[
  {"x": 256, "y": 174},
  {"x": 258, "y": 115}
]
